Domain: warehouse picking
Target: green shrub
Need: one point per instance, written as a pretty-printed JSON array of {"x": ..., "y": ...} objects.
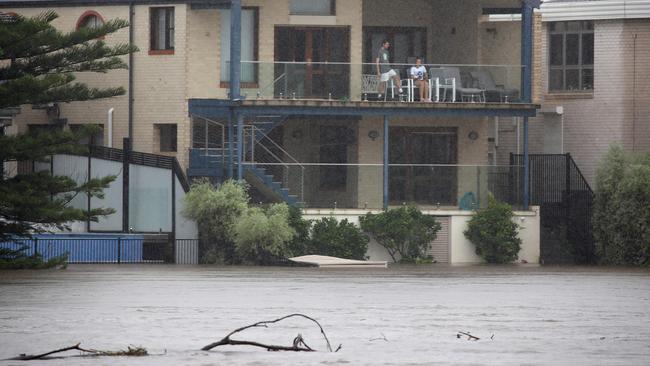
[
  {"x": 494, "y": 233},
  {"x": 261, "y": 235},
  {"x": 337, "y": 239},
  {"x": 18, "y": 259},
  {"x": 300, "y": 244},
  {"x": 215, "y": 210},
  {"x": 621, "y": 218},
  {"x": 405, "y": 232}
]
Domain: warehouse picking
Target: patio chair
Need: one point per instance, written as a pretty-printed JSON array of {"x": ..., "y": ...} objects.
[
  {"x": 467, "y": 94},
  {"x": 494, "y": 92},
  {"x": 438, "y": 81}
]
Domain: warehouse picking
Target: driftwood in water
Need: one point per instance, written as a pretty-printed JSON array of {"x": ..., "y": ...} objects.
[
  {"x": 469, "y": 336},
  {"x": 298, "y": 345},
  {"x": 137, "y": 351}
]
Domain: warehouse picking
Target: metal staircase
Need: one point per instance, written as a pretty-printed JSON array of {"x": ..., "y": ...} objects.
[{"x": 267, "y": 166}]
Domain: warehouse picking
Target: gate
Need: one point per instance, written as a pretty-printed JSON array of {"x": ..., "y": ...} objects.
[{"x": 566, "y": 203}]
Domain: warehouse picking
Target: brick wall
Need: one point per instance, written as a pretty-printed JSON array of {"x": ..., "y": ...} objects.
[{"x": 618, "y": 110}]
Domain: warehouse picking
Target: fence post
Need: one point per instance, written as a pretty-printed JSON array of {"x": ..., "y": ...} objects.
[
  {"x": 567, "y": 188},
  {"x": 119, "y": 250},
  {"x": 35, "y": 247}
]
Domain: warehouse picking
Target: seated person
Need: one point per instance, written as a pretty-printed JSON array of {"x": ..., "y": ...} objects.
[
  {"x": 421, "y": 79},
  {"x": 384, "y": 71}
]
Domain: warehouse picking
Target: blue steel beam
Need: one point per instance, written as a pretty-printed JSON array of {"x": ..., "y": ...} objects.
[
  {"x": 240, "y": 146},
  {"x": 231, "y": 134},
  {"x": 216, "y": 108},
  {"x": 526, "y": 82},
  {"x": 386, "y": 161},
  {"x": 235, "y": 49}
]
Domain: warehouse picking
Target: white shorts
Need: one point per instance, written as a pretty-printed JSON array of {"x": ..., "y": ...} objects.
[{"x": 387, "y": 75}]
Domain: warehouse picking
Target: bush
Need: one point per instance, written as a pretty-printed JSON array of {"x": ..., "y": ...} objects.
[
  {"x": 494, "y": 233},
  {"x": 18, "y": 259},
  {"x": 261, "y": 235},
  {"x": 621, "y": 217},
  {"x": 300, "y": 244},
  {"x": 215, "y": 210},
  {"x": 405, "y": 232},
  {"x": 337, "y": 239}
]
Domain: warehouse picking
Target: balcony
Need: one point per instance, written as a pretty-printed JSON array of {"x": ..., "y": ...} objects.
[{"x": 346, "y": 82}]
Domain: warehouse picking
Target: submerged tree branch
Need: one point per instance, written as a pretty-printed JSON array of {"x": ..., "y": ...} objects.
[
  {"x": 298, "y": 342},
  {"x": 136, "y": 351}
]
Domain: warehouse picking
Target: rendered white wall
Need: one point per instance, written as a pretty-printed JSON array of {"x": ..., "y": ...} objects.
[
  {"x": 112, "y": 195},
  {"x": 185, "y": 228},
  {"x": 462, "y": 250},
  {"x": 150, "y": 196}
]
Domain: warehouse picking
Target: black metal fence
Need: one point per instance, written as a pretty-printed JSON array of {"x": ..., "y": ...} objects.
[
  {"x": 110, "y": 250},
  {"x": 566, "y": 202}
]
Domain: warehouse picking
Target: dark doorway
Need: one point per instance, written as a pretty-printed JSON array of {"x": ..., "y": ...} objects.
[
  {"x": 313, "y": 49},
  {"x": 425, "y": 182}
]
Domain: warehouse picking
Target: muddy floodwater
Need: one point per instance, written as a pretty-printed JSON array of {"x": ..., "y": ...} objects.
[{"x": 398, "y": 316}]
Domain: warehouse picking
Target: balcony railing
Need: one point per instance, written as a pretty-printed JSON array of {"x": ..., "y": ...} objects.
[
  {"x": 432, "y": 186},
  {"x": 360, "y": 82}
]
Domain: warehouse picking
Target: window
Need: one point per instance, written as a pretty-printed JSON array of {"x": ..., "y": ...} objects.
[
  {"x": 313, "y": 7},
  {"x": 90, "y": 19},
  {"x": 334, "y": 150},
  {"x": 249, "y": 41},
  {"x": 94, "y": 139},
  {"x": 571, "y": 56},
  {"x": 405, "y": 43},
  {"x": 167, "y": 137},
  {"x": 162, "y": 31}
]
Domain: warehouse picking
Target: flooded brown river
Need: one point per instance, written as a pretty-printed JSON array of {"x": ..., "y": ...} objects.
[{"x": 398, "y": 316}]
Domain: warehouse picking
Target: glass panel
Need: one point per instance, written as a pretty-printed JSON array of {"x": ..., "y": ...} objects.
[
  {"x": 557, "y": 50},
  {"x": 556, "y": 81},
  {"x": 572, "y": 49},
  {"x": 587, "y": 79},
  {"x": 399, "y": 49},
  {"x": 248, "y": 74},
  {"x": 557, "y": 26},
  {"x": 588, "y": 25},
  {"x": 573, "y": 26},
  {"x": 588, "y": 49},
  {"x": 311, "y": 7},
  {"x": 572, "y": 79}
]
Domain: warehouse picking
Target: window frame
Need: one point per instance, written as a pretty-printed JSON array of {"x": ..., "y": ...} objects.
[
  {"x": 331, "y": 13},
  {"x": 579, "y": 67},
  {"x": 170, "y": 32},
  {"x": 173, "y": 143},
  {"x": 85, "y": 15},
  {"x": 256, "y": 53}
]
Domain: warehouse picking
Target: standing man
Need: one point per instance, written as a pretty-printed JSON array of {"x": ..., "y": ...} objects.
[
  {"x": 421, "y": 79},
  {"x": 384, "y": 71}
]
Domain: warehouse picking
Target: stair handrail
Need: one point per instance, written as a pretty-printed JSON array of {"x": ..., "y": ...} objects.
[
  {"x": 255, "y": 141},
  {"x": 223, "y": 137}
]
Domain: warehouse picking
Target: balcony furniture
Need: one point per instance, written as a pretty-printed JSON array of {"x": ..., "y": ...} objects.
[
  {"x": 438, "y": 78},
  {"x": 493, "y": 91},
  {"x": 467, "y": 94},
  {"x": 369, "y": 85}
]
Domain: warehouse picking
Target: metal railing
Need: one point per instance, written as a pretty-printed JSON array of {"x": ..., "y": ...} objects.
[
  {"x": 205, "y": 142},
  {"x": 259, "y": 149},
  {"x": 109, "y": 250},
  {"x": 360, "y": 82},
  {"x": 445, "y": 186}
]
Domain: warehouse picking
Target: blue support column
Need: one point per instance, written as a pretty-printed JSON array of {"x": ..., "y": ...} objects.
[
  {"x": 386, "y": 142},
  {"x": 526, "y": 167},
  {"x": 240, "y": 146},
  {"x": 231, "y": 141},
  {"x": 527, "y": 50},
  {"x": 235, "y": 49},
  {"x": 527, "y": 82}
]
